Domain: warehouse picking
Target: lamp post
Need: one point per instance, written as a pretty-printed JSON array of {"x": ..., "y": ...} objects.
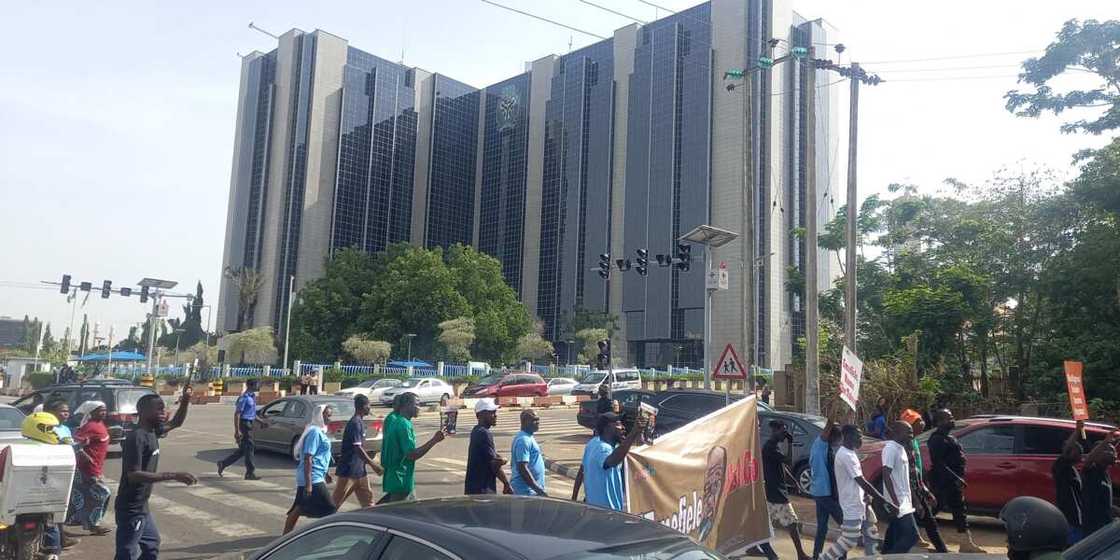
[
  {"x": 410, "y": 337},
  {"x": 710, "y": 237}
]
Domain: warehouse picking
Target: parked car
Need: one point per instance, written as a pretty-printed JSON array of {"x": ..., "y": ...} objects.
[
  {"x": 373, "y": 389},
  {"x": 427, "y": 390},
  {"x": 561, "y": 385},
  {"x": 517, "y": 384},
  {"x": 676, "y": 407},
  {"x": 280, "y": 423},
  {"x": 120, "y": 397},
  {"x": 1008, "y": 456},
  {"x": 469, "y": 527},
  {"x": 11, "y": 422},
  {"x": 805, "y": 429},
  {"x": 624, "y": 378}
]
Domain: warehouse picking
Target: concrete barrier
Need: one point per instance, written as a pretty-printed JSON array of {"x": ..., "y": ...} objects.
[{"x": 545, "y": 402}]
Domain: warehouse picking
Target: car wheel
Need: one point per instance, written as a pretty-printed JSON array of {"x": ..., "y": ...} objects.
[{"x": 804, "y": 477}]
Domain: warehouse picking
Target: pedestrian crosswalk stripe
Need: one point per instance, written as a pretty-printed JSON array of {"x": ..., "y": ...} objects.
[{"x": 200, "y": 517}]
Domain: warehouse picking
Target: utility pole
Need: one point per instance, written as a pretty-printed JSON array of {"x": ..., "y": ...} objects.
[
  {"x": 812, "y": 316},
  {"x": 288, "y": 320},
  {"x": 853, "y": 214},
  {"x": 152, "y": 330},
  {"x": 747, "y": 210}
]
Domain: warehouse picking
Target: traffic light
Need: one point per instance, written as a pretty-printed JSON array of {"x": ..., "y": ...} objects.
[
  {"x": 85, "y": 286},
  {"x": 734, "y": 73},
  {"x": 65, "y": 284},
  {"x": 799, "y": 52},
  {"x": 765, "y": 62},
  {"x": 664, "y": 260},
  {"x": 126, "y": 292},
  {"x": 605, "y": 266},
  {"x": 642, "y": 262},
  {"x": 684, "y": 256},
  {"x": 623, "y": 264},
  {"x": 603, "y": 360},
  {"x": 106, "y": 289},
  {"x": 144, "y": 294}
]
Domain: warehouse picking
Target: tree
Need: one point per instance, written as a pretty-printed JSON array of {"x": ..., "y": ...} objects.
[
  {"x": 500, "y": 319},
  {"x": 588, "y": 344},
  {"x": 367, "y": 351},
  {"x": 581, "y": 318},
  {"x": 1090, "y": 47},
  {"x": 248, "y": 282},
  {"x": 533, "y": 347},
  {"x": 457, "y": 336},
  {"x": 328, "y": 309},
  {"x": 252, "y": 346},
  {"x": 207, "y": 356}
]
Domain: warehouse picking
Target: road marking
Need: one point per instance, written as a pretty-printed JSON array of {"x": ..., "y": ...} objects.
[
  {"x": 245, "y": 504},
  {"x": 200, "y": 517}
]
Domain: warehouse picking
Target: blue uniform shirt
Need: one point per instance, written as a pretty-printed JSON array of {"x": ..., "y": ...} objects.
[
  {"x": 602, "y": 485},
  {"x": 526, "y": 450},
  {"x": 247, "y": 406},
  {"x": 818, "y": 464},
  {"x": 318, "y": 447}
]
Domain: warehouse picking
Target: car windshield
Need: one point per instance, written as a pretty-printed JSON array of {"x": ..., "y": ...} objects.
[
  {"x": 409, "y": 383},
  {"x": 367, "y": 384},
  {"x": 10, "y": 419},
  {"x": 126, "y": 399},
  {"x": 666, "y": 549},
  {"x": 562, "y": 381},
  {"x": 593, "y": 378},
  {"x": 341, "y": 409},
  {"x": 386, "y": 383},
  {"x": 490, "y": 380}
]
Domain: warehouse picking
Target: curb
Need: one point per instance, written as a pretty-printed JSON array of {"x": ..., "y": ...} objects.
[{"x": 561, "y": 469}]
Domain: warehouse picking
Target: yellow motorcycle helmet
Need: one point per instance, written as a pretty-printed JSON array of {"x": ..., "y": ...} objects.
[{"x": 39, "y": 426}]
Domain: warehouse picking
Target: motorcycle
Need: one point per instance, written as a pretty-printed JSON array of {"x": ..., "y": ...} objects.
[{"x": 35, "y": 481}]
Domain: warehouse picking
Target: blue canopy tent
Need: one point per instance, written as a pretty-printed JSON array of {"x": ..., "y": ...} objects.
[
  {"x": 413, "y": 364},
  {"x": 116, "y": 357}
]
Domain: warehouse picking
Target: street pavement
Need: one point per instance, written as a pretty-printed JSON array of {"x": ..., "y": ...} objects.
[{"x": 229, "y": 515}]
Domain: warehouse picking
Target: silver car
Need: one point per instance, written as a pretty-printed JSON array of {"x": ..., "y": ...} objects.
[
  {"x": 280, "y": 423},
  {"x": 11, "y": 422},
  {"x": 561, "y": 385},
  {"x": 428, "y": 390}
]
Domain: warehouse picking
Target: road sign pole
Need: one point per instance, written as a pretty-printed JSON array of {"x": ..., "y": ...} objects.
[{"x": 707, "y": 319}]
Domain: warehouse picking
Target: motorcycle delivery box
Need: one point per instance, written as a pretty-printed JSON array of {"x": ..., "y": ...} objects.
[{"x": 35, "y": 478}]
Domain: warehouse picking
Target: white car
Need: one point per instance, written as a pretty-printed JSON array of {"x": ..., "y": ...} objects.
[
  {"x": 373, "y": 389},
  {"x": 561, "y": 386},
  {"x": 427, "y": 391},
  {"x": 624, "y": 378}
]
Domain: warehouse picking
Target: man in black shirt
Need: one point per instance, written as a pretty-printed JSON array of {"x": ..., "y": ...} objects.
[
  {"x": 353, "y": 458},
  {"x": 137, "y": 534},
  {"x": 1067, "y": 481},
  {"x": 948, "y": 476},
  {"x": 483, "y": 463},
  {"x": 775, "y": 471},
  {"x": 1096, "y": 494}
]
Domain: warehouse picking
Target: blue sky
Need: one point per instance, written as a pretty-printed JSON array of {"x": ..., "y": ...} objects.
[{"x": 116, "y": 118}]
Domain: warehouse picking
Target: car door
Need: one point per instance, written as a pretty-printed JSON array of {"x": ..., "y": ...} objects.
[
  {"x": 991, "y": 470},
  {"x": 336, "y": 541},
  {"x": 265, "y": 426},
  {"x": 424, "y": 390},
  {"x": 1035, "y": 452},
  {"x": 292, "y": 422}
]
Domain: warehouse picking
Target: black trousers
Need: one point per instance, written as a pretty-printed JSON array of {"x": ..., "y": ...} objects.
[
  {"x": 246, "y": 449},
  {"x": 950, "y": 497}
]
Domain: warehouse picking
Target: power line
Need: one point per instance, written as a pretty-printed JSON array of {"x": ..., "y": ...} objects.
[
  {"x": 950, "y": 68},
  {"x": 606, "y": 9},
  {"x": 544, "y": 19},
  {"x": 658, "y": 7},
  {"x": 957, "y": 57},
  {"x": 953, "y": 78}
]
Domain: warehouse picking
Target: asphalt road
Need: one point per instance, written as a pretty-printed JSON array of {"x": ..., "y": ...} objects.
[{"x": 227, "y": 515}]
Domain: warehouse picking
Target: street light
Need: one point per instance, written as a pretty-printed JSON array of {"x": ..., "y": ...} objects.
[
  {"x": 568, "y": 344},
  {"x": 709, "y": 237},
  {"x": 410, "y": 337},
  {"x": 155, "y": 286}
]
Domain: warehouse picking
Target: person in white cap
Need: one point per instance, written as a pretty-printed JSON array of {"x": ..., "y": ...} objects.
[{"x": 484, "y": 465}]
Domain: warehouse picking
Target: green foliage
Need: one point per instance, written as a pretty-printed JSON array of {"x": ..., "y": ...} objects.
[
  {"x": 456, "y": 336},
  {"x": 327, "y": 309},
  {"x": 588, "y": 339},
  {"x": 39, "y": 380},
  {"x": 500, "y": 320},
  {"x": 1089, "y": 47},
  {"x": 253, "y": 346},
  {"x": 582, "y": 318},
  {"x": 367, "y": 351},
  {"x": 1099, "y": 183},
  {"x": 533, "y": 347}
]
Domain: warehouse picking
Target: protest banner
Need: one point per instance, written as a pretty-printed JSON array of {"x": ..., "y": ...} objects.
[
  {"x": 1076, "y": 390},
  {"x": 851, "y": 372},
  {"x": 704, "y": 479}
]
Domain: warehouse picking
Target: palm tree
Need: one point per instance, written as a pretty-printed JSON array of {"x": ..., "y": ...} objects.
[{"x": 248, "y": 282}]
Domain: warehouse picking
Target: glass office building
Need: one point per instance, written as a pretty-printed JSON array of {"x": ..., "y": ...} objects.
[{"x": 614, "y": 148}]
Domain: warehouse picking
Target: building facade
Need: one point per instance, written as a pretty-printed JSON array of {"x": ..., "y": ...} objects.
[{"x": 618, "y": 147}]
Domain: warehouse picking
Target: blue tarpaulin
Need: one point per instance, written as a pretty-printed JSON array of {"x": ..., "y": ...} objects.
[
  {"x": 117, "y": 357},
  {"x": 413, "y": 363}
]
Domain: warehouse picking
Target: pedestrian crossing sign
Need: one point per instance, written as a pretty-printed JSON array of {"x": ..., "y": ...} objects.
[{"x": 729, "y": 365}]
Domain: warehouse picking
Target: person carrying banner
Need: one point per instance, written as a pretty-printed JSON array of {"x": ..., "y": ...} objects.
[
  {"x": 851, "y": 487},
  {"x": 600, "y": 471}
]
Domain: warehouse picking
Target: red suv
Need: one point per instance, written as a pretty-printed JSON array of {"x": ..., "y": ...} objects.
[
  {"x": 508, "y": 385},
  {"x": 1008, "y": 456}
]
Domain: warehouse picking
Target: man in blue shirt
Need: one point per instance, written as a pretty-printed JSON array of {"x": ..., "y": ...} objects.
[
  {"x": 244, "y": 413},
  {"x": 823, "y": 487},
  {"x": 601, "y": 469},
  {"x": 528, "y": 462}
]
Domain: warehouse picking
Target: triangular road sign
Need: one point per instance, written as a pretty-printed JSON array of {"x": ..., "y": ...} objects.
[{"x": 729, "y": 365}]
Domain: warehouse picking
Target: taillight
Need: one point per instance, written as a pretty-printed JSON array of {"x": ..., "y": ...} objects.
[
  {"x": 376, "y": 425},
  {"x": 29, "y": 525}
]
